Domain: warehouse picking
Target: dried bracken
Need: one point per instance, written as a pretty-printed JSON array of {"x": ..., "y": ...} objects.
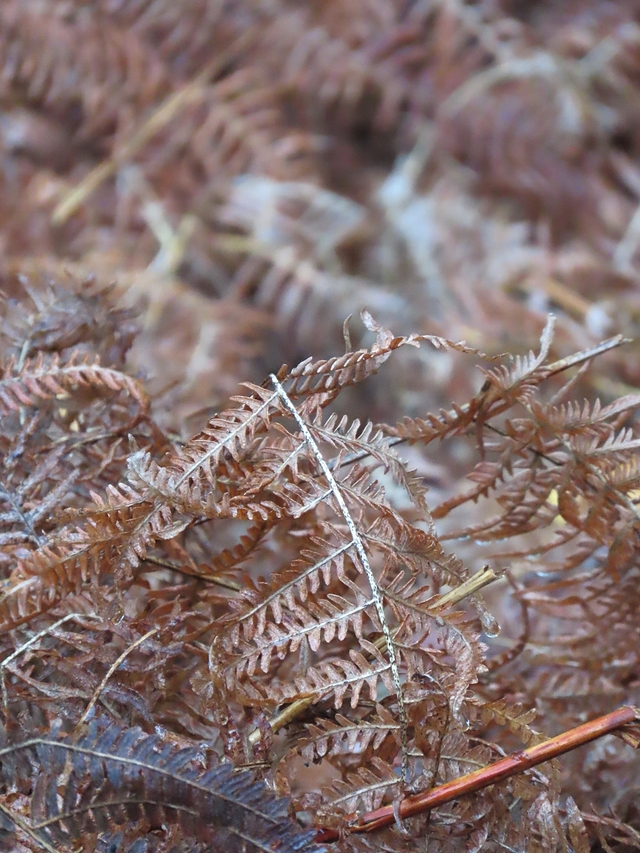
[{"x": 253, "y": 595}]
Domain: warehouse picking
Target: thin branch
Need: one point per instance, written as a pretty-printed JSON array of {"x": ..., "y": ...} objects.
[
  {"x": 492, "y": 773},
  {"x": 474, "y": 584},
  {"x": 184, "y": 569},
  {"x": 283, "y": 717}
]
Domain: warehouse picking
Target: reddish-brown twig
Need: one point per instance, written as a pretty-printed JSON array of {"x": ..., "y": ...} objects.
[{"x": 496, "y": 772}]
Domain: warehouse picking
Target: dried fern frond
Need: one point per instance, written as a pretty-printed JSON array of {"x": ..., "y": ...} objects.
[
  {"x": 165, "y": 783},
  {"x": 42, "y": 68},
  {"x": 294, "y": 571}
]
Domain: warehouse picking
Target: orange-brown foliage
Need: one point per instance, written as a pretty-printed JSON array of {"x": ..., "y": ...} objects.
[{"x": 251, "y": 616}]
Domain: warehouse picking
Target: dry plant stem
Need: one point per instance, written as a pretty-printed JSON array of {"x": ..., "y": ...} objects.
[
  {"x": 187, "y": 570},
  {"x": 474, "y": 584},
  {"x": 286, "y": 715},
  {"x": 496, "y": 772},
  {"x": 580, "y": 358},
  {"x": 628, "y": 245},
  {"x": 557, "y": 292}
]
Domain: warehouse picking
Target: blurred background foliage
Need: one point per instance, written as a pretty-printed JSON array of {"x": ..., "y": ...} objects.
[{"x": 258, "y": 170}]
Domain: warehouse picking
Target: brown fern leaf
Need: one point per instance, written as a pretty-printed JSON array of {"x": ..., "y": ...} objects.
[
  {"x": 544, "y": 163},
  {"x": 446, "y": 423},
  {"x": 229, "y": 128},
  {"x": 366, "y": 441},
  {"x": 570, "y": 417},
  {"x": 331, "y": 559},
  {"x": 338, "y": 680},
  {"x": 302, "y": 293},
  {"x": 343, "y": 736},
  {"x": 320, "y": 621},
  {"x": 180, "y": 35},
  {"x": 331, "y": 80},
  {"x": 54, "y": 313},
  {"x": 243, "y": 131},
  {"x": 458, "y": 658},
  {"x": 417, "y": 550},
  {"x": 517, "y": 384},
  {"x": 231, "y": 558},
  {"x": 50, "y": 574},
  {"x": 517, "y": 718},
  {"x": 311, "y": 378},
  {"x": 366, "y": 789},
  {"x": 43, "y": 57},
  {"x": 30, "y": 502},
  {"x": 117, "y": 532},
  {"x": 46, "y": 377},
  {"x": 136, "y": 521},
  {"x": 225, "y": 436},
  {"x": 173, "y": 493}
]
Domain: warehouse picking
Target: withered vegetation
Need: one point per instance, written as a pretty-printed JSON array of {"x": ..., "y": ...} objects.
[{"x": 254, "y": 607}]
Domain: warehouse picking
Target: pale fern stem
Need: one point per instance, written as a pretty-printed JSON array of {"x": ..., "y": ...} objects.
[
  {"x": 362, "y": 554},
  {"x": 283, "y": 717},
  {"x": 472, "y": 585}
]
